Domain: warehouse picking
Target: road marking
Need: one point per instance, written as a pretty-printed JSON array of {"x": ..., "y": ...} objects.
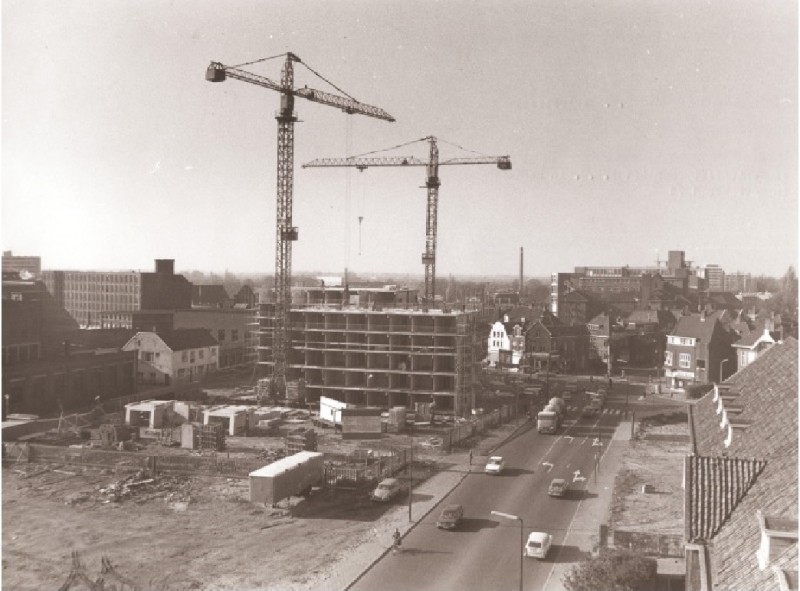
[
  {"x": 548, "y": 464},
  {"x": 570, "y": 437},
  {"x": 574, "y": 517}
]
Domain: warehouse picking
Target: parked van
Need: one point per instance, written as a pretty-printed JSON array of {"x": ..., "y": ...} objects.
[{"x": 386, "y": 490}]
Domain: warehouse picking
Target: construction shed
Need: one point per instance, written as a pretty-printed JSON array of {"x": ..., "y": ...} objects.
[
  {"x": 237, "y": 419},
  {"x": 361, "y": 423},
  {"x": 291, "y": 476},
  {"x": 148, "y": 413},
  {"x": 330, "y": 410}
]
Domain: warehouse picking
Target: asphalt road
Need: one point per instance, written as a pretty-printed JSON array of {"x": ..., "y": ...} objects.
[{"x": 485, "y": 551}]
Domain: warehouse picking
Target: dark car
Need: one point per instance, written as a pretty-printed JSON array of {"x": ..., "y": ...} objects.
[
  {"x": 558, "y": 487},
  {"x": 451, "y": 516}
]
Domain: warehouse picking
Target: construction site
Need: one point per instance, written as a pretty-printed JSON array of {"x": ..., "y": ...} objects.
[{"x": 350, "y": 385}]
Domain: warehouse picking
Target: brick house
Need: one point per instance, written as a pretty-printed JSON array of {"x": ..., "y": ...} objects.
[
  {"x": 740, "y": 481},
  {"x": 647, "y": 332},
  {"x": 698, "y": 350},
  {"x": 178, "y": 356},
  {"x": 551, "y": 344}
]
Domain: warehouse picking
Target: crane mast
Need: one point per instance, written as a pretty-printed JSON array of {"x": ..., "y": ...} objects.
[
  {"x": 429, "y": 256},
  {"x": 285, "y": 232},
  {"x": 432, "y": 184}
]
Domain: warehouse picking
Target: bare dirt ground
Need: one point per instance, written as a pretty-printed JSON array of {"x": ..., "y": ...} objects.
[
  {"x": 658, "y": 463},
  {"x": 174, "y": 533},
  {"x": 179, "y": 533}
]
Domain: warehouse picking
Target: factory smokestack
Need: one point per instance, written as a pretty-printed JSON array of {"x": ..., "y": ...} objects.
[{"x": 520, "y": 271}]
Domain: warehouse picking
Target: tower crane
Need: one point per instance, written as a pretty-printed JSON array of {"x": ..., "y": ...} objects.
[
  {"x": 432, "y": 183},
  {"x": 285, "y": 232}
]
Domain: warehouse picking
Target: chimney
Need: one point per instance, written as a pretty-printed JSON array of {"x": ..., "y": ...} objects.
[
  {"x": 505, "y": 318},
  {"x": 520, "y": 269}
]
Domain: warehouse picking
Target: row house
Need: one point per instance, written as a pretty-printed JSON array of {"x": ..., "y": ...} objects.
[
  {"x": 740, "y": 481},
  {"x": 550, "y": 344},
  {"x": 179, "y": 356},
  {"x": 699, "y": 350},
  {"x": 506, "y": 342}
]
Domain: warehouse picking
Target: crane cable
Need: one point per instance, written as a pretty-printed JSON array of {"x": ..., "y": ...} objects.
[{"x": 263, "y": 59}]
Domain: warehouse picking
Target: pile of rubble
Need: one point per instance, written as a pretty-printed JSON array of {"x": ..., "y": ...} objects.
[{"x": 140, "y": 487}]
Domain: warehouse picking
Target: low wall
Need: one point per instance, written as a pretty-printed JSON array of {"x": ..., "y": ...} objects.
[{"x": 650, "y": 544}]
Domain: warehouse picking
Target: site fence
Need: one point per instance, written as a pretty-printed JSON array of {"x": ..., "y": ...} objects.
[
  {"x": 347, "y": 476},
  {"x": 340, "y": 471}
]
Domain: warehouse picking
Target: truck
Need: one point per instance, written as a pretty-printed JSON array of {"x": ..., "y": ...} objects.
[
  {"x": 559, "y": 405},
  {"x": 548, "y": 420}
]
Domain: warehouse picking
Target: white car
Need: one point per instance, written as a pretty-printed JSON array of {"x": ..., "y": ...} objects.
[
  {"x": 538, "y": 545},
  {"x": 495, "y": 465}
]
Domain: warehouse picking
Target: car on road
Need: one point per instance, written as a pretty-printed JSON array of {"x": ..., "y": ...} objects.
[
  {"x": 495, "y": 465},
  {"x": 450, "y": 517},
  {"x": 538, "y": 545},
  {"x": 558, "y": 487},
  {"x": 386, "y": 490}
]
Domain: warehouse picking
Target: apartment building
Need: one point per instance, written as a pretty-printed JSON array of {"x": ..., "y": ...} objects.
[
  {"x": 105, "y": 299},
  {"x": 715, "y": 278},
  {"x": 624, "y": 288},
  {"x": 362, "y": 348},
  {"x": 26, "y": 267}
]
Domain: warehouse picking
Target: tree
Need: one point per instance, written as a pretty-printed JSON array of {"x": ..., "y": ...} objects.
[{"x": 613, "y": 570}]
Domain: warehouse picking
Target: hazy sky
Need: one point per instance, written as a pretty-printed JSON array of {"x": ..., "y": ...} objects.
[{"x": 634, "y": 127}]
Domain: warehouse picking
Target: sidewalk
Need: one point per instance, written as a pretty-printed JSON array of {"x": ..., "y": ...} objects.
[
  {"x": 365, "y": 552},
  {"x": 592, "y": 512}
]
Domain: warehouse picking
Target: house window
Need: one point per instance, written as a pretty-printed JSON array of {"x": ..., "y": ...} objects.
[
  {"x": 147, "y": 356},
  {"x": 185, "y": 356},
  {"x": 701, "y": 364},
  {"x": 668, "y": 358},
  {"x": 685, "y": 360},
  {"x": 220, "y": 335},
  {"x": 200, "y": 353},
  {"x": 235, "y": 335}
]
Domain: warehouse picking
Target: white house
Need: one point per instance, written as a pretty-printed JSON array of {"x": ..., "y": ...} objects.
[
  {"x": 178, "y": 356},
  {"x": 498, "y": 341},
  {"x": 506, "y": 342},
  {"x": 752, "y": 346}
]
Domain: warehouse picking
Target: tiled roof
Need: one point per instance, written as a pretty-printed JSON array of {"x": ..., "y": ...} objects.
[
  {"x": 714, "y": 486},
  {"x": 723, "y": 508},
  {"x": 188, "y": 338},
  {"x": 752, "y": 337},
  {"x": 209, "y": 294},
  {"x": 767, "y": 395},
  {"x": 734, "y": 548},
  {"x": 695, "y": 326}
]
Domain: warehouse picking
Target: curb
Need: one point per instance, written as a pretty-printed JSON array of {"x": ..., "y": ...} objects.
[
  {"x": 405, "y": 533},
  {"x": 428, "y": 512}
]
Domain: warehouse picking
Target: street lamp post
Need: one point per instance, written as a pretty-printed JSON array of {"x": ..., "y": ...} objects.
[
  {"x": 721, "y": 365},
  {"x": 410, "y": 478},
  {"x": 521, "y": 539}
]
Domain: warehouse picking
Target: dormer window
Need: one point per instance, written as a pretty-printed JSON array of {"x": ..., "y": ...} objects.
[{"x": 777, "y": 534}]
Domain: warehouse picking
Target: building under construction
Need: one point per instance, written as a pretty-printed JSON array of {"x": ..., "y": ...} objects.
[{"x": 376, "y": 347}]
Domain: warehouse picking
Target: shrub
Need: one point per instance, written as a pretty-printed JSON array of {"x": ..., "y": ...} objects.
[{"x": 613, "y": 570}]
